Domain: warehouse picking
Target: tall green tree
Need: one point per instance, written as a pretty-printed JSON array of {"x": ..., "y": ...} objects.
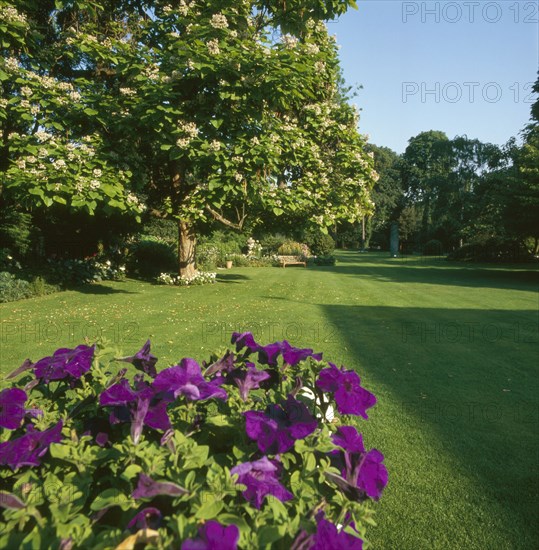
[
  {"x": 387, "y": 193},
  {"x": 427, "y": 163}
]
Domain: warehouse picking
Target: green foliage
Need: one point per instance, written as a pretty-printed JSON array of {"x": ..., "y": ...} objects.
[
  {"x": 7, "y": 261},
  {"x": 433, "y": 248},
  {"x": 150, "y": 256},
  {"x": 319, "y": 243},
  {"x": 12, "y": 288},
  {"x": 163, "y": 229},
  {"x": 324, "y": 260},
  {"x": 493, "y": 250},
  {"x": 290, "y": 248},
  {"x": 73, "y": 273},
  {"x": 16, "y": 231},
  {"x": 271, "y": 243}
]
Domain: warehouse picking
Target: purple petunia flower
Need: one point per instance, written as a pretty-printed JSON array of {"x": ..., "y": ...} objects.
[
  {"x": 143, "y": 360},
  {"x": 244, "y": 340},
  {"x": 147, "y": 518},
  {"x": 261, "y": 479},
  {"x": 65, "y": 363},
  {"x": 327, "y": 537},
  {"x": 12, "y": 409},
  {"x": 29, "y": 448},
  {"x": 246, "y": 379},
  {"x": 363, "y": 473},
  {"x": 186, "y": 379},
  {"x": 213, "y": 535},
  {"x": 293, "y": 356},
  {"x": 142, "y": 406},
  {"x": 148, "y": 488},
  {"x": 268, "y": 355},
  {"x": 224, "y": 364},
  {"x": 276, "y": 430},
  {"x": 350, "y": 397}
]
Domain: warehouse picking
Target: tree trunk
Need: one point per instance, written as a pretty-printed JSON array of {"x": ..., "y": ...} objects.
[
  {"x": 186, "y": 249},
  {"x": 368, "y": 233}
]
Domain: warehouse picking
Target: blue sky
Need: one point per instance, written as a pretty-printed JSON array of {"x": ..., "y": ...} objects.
[{"x": 460, "y": 67}]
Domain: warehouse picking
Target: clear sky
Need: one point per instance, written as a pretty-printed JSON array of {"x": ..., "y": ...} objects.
[{"x": 464, "y": 67}]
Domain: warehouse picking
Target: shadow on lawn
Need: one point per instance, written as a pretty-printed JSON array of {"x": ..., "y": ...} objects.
[
  {"x": 99, "y": 289},
  {"x": 401, "y": 270},
  {"x": 234, "y": 278},
  {"x": 470, "y": 377}
]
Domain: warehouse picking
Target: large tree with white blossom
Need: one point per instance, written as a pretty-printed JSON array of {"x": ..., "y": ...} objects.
[{"x": 211, "y": 110}]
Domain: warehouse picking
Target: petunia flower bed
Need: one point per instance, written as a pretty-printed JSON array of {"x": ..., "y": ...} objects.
[{"x": 240, "y": 451}]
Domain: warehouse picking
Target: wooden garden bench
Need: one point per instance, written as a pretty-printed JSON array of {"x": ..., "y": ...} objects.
[{"x": 291, "y": 260}]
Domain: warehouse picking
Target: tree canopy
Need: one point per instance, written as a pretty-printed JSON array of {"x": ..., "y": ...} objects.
[{"x": 199, "y": 110}]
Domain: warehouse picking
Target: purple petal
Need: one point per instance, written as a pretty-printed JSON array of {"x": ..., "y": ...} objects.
[
  {"x": 12, "y": 409},
  {"x": 349, "y": 439},
  {"x": 102, "y": 439},
  {"x": 225, "y": 364},
  {"x": 186, "y": 379},
  {"x": 293, "y": 356},
  {"x": 329, "y": 379},
  {"x": 28, "y": 449},
  {"x": 373, "y": 474},
  {"x": 268, "y": 355},
  {"x": 302, "y": 423},
  {"x": 147, "y": 518},
  {"x": 119, "y": 394},
  {"x": 244, "y": 339},
  {"x": 157, "y": 417},
  {"x": 9, "y": 500},
  {"x": 143, "y": 360},
  {"x": 27, "y": 365},
  {"x": 148, "y": 488},
  {"x": 264, "y": 431},
  {"x": 213, "y": 535},
  {"x": 138, "y": 419},
  {"x": 327, "y": 536},
  {"x": 354, "y": 400},
  {"x": 261, "y": 479}
]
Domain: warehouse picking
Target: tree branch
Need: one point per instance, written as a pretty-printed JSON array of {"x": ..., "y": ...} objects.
[{"x": 226, "y": 222}]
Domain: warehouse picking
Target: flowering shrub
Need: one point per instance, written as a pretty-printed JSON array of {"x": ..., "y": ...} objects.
[
  {"x": 12, "y": 288},
  {"x": 254, "y": 248},
  {"x": 88, "y": 270},
  {"x": 236, "y": 452},
  {"x": 201, "y": 278}
]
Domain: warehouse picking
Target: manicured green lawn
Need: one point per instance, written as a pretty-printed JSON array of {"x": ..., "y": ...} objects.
[{"x": 450, "y": 350}]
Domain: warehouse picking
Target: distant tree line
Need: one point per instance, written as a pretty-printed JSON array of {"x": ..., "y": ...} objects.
[{"x": 457, "y": 191}]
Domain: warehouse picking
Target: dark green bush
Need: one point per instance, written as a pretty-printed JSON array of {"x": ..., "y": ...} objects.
[
  {"x": 151, "y": 256},
  {"x": 324, "y": 260},
  {"x": 15, "y": 231},
  {"x": 166, "y": 230},
  {"x": 492, "y": 250},
  {"x": 319, "y": 243},
  {"x": 7, "y": 261},
  {"x": 433, "y": 248},
  {"x": 271, "y": 244}
]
